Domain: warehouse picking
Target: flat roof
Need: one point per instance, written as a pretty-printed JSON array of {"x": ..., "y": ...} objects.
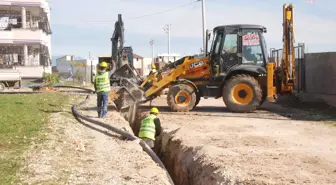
[{"x": 252, "y": 26}]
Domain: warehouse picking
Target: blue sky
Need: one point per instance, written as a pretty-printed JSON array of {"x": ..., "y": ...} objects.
[{"x": 83, "y": 26}]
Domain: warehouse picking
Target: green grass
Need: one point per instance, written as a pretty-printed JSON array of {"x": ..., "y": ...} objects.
[{"x": 22, "y": 117}]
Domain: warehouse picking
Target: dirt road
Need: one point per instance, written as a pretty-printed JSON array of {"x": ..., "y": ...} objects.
[
  {"x": 73, "y": 153},
  {"x": 213, "y": 146}
]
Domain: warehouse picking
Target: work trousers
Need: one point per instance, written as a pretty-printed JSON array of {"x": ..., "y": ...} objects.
[
  {"x": 149, "y": 142},
  {"x": 102, "y": 102}
]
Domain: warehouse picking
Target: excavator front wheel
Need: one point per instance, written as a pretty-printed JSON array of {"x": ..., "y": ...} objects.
[
  {"x": 198, "y": 99},
  {"x": 181, "y": 98},
  {"x": 242, "y": 93}
]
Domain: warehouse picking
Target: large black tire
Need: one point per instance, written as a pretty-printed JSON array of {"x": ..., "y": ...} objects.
[
  {"x": 181, "y": 98},
  {"x": 242, "y": 93},
  {"x": 262, "y": 100},
  {"x": 198, "y": 99},
  {"x": 2, "y": 87}
]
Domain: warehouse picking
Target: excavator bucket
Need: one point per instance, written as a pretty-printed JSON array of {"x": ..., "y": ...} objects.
[{"x": 126, "y": 80}]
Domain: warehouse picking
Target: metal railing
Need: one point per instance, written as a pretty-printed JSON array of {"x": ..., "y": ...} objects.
[{"x": 276, "y": 56}]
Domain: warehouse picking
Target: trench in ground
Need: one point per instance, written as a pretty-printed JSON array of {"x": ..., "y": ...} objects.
[{"x": 180, "y": 161}]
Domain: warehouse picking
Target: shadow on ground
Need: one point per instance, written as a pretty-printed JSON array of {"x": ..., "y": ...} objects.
[
  {"x": 97, "y": 129},
  {"x": 208, "y": 111},
  {"x": 286, "y": 108}
]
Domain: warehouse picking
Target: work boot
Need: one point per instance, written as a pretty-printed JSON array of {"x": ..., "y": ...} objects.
[{"x": 104, "y": 113}]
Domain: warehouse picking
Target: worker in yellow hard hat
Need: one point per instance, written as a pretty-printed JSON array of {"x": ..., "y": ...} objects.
[
  {"x": 150, "y": 80},
  {"x": 103, "y": 64},
  {"x": 153, "y": 69},
  {"x": 150, "y": 127},
  {"x": 102, "y": 87}
]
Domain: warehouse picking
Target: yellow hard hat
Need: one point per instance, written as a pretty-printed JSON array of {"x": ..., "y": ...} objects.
[
  {"x": 154, "y": 110},
  {"x": 103, "y": 64},
  {"x": 153, "y": 66}
]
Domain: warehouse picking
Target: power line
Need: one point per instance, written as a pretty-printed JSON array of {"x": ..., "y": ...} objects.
[
  {"x": 172, "y": 9},
  {"x": 137, "y": 17}
]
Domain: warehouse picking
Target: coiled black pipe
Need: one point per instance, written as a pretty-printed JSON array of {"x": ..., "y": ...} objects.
[{"x": 127, "y": 135}]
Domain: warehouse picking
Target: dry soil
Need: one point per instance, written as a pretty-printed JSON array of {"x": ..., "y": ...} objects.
[
  {"x": 75, "y": 153},
  {"x": 276, "y": 145}
]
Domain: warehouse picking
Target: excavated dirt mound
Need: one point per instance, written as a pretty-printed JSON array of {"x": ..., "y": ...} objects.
[{"x": 113, "y": 96}]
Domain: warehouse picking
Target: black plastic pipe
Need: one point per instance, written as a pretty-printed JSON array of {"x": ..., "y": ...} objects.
[{"x": 127, "y": 135}]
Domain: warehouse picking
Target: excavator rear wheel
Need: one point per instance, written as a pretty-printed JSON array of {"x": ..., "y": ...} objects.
[
  {"x": 181, "y": 98},
  {"x": 242, "y": 93}
]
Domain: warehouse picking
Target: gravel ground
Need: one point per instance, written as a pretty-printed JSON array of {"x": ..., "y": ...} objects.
[
  {"x": 73, "y": 153},
  {"x": 276, "y": 145}
]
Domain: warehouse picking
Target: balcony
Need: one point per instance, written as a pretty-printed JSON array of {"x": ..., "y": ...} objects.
[
  {"x": 24, "y": 55},
  {"x": 25, "y": 16},
  {"x": 24, "y": 36}
]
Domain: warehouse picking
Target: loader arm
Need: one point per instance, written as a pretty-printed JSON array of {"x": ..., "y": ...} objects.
[
  {"x": 118, "y": 37},
  {"x": 185, "y": 66},
  {"x": 155, "y": 83},
  {"x": 288, "y": 61},
  {"x": 281, "y": 79}
]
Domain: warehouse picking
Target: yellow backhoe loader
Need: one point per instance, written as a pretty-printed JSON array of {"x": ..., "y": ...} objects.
[{"x": 235, "y": 69}]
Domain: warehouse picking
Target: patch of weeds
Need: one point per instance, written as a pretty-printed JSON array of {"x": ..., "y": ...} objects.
[
  {"x": 22, "y": 118},
  {"x": 67, "y": 114}
]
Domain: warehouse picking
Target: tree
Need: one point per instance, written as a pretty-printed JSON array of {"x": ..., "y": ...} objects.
[{"x": 79, "y": 75}]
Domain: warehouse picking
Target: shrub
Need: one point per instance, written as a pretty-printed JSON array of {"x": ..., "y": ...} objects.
[{"x": 50, "y": 78}]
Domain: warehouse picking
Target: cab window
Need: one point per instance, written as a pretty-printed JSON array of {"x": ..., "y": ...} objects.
[
  {"x": 230, "y": 44},
  {"x": 252, "y": 51},
  {"x": 217, "y": 43}
]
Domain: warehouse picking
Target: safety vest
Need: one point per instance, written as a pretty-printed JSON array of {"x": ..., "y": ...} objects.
[
  {"x": 147, "y": 129},
  {"x": 217, "y": 70},
  {"x": 102, "y": 82}
]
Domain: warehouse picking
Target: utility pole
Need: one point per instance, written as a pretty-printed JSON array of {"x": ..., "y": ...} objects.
[
  {"x": 152, "y": 44},
  {"x": 204, "y": 27},
  {"x": 167, "y": 29},
  {"x": 91, "y": 67}
]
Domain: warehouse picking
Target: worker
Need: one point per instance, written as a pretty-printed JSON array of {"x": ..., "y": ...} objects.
[
  {"x": 153, "y": 69},
  {"x": 150, "y": 81},
  {"x": 150, "y": 128},
  {"x": 102, "y": 88},
  {"x": 217, "y": 72},
  {"x": 249, "y": 57}
]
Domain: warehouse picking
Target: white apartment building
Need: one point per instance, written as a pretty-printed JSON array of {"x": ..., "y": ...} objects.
[
  {"x": 144, "y": 64},
  {"x": 165, "y": 57},
  {"x": 147, "y": 65},
  {"x": 25, "y": 37}
]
